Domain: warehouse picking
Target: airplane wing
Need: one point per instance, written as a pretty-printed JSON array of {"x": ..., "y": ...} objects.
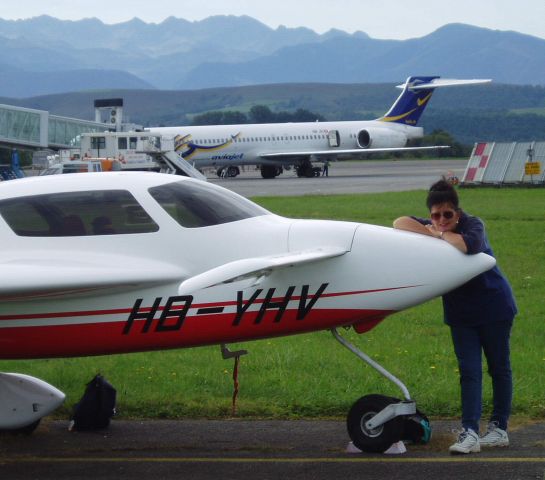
[
  {"x": 41, "y": 278},
  {"x": 255, "y": 268},
  {"x": 351, "y": 151}
]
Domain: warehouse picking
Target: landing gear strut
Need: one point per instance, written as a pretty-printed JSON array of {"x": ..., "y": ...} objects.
[{"x": 375, "y": 422}]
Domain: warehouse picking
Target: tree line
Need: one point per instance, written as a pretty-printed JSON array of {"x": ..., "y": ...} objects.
[{"x": 256, "y": 114}]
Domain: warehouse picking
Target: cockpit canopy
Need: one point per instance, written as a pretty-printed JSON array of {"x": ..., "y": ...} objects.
[
  {"x": 197, "y": 204},
  {"x": 118, "y": 212}
]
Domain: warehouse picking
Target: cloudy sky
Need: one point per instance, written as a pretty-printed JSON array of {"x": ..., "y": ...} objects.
[{"x": 399, "y": 19}]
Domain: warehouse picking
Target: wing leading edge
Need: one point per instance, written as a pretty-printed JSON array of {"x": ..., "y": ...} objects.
[
  {"x": 256, "y": 268},
  {"x": 31, "y": 279}
]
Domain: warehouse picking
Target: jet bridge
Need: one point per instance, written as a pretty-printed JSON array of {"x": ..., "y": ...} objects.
[{"x": 30, "y": 128}]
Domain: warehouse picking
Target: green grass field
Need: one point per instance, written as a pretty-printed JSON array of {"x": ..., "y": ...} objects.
[{"x": 312, "y": 375}]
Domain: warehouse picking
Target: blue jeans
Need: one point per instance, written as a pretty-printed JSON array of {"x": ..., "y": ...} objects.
[{"x": 493, "y": 340}]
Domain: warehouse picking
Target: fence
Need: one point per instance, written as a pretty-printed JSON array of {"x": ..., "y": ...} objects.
[{"x": 515, "y": 163}]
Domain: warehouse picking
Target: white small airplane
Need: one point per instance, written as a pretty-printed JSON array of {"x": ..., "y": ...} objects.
[
  {"x": 96, "y": 264},
  {"x": 277, "y": 146}
]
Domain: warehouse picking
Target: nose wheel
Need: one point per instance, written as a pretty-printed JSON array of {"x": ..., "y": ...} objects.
[
  {"x": 377, "y": 439},
  {"x": 375, "y": 421}
]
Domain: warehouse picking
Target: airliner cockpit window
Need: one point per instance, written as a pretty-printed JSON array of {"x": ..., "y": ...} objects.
[{"x": 197, "y": 204}]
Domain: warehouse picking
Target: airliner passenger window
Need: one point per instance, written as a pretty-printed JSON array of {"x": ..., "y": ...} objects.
[
  {"x": 76, "y": 214},
  {"x": 198, "y": 204}
]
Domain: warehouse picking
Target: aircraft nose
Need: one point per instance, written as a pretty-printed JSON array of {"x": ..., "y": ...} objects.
[{"x": 416, "y": 266}]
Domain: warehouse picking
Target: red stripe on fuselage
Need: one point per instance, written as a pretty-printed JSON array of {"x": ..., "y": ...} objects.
[{"x": 107, "y": 338}]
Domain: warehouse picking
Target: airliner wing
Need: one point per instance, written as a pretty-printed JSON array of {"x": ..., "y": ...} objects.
[
  {"x": 342, "y": 152},
  {"x": 255, "y": 268},
  {"x": 39, "y": 278}
]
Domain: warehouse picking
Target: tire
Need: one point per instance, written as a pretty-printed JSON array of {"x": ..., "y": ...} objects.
[
  {"x": 309, "y": 171},
  {"x": 379, "y": 439},
  {"x": 232, "y": 171},
  {"x": 268, "y": 171}
]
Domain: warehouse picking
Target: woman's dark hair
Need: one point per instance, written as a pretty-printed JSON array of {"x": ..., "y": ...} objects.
[{"x": 442, "y": 191}]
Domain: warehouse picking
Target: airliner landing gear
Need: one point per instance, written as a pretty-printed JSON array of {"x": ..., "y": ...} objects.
[
  {"x": 305, "y": 169},
  {"x": 231, "y": 171},
  {"x": 375, "y": 422},
  {"x": 270, "y": 171}
]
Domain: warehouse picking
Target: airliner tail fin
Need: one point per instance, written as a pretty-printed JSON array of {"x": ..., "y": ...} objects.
[{"x": 416, "y": 94}]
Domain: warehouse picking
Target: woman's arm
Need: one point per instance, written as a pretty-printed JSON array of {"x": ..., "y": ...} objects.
[
  {"x": 411, "y": 225},
  {"x": 456, "y": 240}
]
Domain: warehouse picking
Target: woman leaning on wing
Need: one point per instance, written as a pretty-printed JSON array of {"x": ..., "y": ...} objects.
[{"x": 480, "y": 315}]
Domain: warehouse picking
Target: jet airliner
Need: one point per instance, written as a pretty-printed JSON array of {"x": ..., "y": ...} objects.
[{"x": 274, "y": 147}]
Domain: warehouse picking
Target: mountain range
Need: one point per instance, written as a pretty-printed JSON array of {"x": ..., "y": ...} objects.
[{"x": 45, "y": 55}]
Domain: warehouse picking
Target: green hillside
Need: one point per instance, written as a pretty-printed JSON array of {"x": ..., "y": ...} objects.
[{"x": 490, "y": 112}]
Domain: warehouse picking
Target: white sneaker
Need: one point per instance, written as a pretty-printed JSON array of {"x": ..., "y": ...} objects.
[
  {"x": 494, "y": 437},
  {"x": 468, "y": 442}
]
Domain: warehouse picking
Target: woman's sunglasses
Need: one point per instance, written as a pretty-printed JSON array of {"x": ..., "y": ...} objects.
[{"x": 448, "y": 214}]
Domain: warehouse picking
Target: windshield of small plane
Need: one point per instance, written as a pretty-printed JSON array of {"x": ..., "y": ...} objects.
[
  {"x": 72, "y": 214},
  {"x": 198, "y": 204}
]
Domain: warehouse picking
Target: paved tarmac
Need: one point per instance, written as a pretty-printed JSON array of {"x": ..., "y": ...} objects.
[
  {"x": 246, "y": 449},
  {"x": 346, "y": 177}
]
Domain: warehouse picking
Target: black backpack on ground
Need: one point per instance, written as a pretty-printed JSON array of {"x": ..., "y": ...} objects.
[{"x": 96, "y": 407}]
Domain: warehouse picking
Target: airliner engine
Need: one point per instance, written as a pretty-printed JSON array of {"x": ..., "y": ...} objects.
[{"x": 380, "y": 138}]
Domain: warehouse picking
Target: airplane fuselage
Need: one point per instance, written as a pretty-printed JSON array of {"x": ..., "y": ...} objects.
[
  {"x": 185, "y": 263},
  {"x": 282, "y": 143},
  {"x": 272, "y": 146}
]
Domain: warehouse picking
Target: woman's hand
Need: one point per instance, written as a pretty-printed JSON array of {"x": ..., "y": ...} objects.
[{"x": 433, "y": 231}]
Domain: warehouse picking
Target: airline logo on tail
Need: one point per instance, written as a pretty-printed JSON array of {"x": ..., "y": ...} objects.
[
  {"x": 416, "y": 94},
  {"x": 412, "y": 101}
]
